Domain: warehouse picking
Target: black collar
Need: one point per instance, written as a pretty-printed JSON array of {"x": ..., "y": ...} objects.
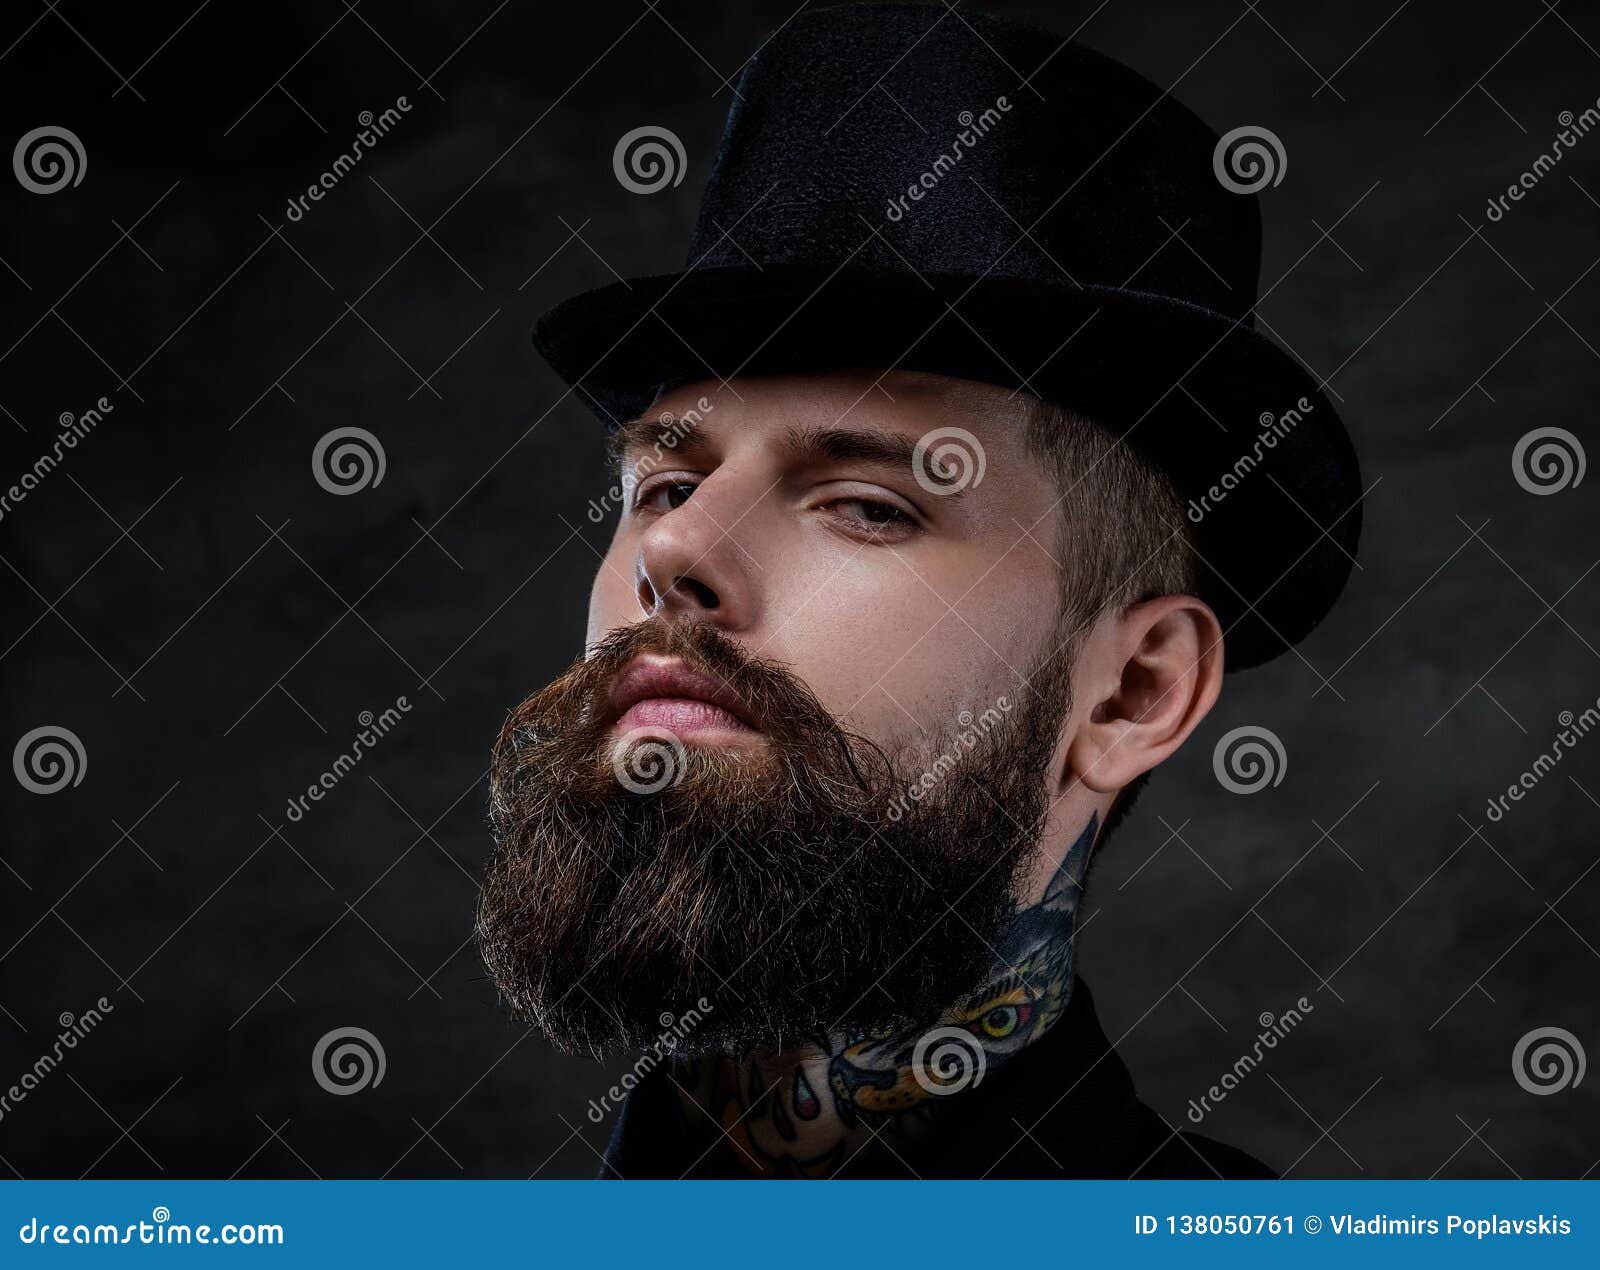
[{"x": 1064, "y": 1107}]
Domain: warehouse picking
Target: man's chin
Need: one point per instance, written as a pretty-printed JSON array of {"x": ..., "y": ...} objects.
[
  {"x": 715, "y": 765},
  {"x": 734, "y": 930},
  {"x": 778, "y": 892}
]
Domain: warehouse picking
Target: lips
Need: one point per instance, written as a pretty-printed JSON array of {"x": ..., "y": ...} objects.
[{"x": 657, "y": 691}]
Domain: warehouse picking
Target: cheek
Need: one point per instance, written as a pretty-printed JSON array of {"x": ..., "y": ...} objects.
[{"x": 898, "y": 655}]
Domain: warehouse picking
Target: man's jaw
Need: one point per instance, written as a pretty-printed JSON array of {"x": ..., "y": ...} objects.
[{"x": 659, "y": 692}]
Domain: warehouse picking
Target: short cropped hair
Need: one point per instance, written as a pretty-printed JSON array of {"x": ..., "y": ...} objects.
[{"x": 1121, "y": 537}]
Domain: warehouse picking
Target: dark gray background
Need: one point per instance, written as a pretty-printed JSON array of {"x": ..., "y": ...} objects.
[{"x": 184, "y": 597}]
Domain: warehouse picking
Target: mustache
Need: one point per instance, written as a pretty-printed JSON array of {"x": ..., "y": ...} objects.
[{"x": 575, "y": 711}]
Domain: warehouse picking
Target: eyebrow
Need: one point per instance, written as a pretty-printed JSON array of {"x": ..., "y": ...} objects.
[
  {"x": 863, "y": 445},
  {"x": 843, "y": 444},
  {"x": 649, "y": 431}
]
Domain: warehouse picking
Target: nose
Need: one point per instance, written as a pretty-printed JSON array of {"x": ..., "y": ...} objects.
[{"x": 690, "y": 566}]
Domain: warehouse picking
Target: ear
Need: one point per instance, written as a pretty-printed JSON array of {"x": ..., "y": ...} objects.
[{"x": 1149, "y": 675}]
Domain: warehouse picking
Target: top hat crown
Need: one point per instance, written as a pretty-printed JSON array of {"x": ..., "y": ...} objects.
[{"x": 974, "y": 146}]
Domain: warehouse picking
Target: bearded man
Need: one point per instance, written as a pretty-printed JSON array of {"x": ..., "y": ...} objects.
[{"x": 924, "y": 561}]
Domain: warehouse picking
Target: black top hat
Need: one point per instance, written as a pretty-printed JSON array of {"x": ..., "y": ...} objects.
[{"x": 919, "y": 187}]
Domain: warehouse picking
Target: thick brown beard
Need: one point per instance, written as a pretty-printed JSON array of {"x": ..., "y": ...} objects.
[{"x": 772, "y": 880}]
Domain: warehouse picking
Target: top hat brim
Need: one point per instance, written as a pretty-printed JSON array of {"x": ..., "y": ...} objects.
[{"x": 1268, "y": 475}]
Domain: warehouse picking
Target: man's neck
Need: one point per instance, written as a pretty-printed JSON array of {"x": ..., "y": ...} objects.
[{"x": 811, "y": 1108}]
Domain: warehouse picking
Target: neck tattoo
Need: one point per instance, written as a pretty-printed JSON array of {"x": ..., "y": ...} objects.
[{"x": 808, "y": 1110}]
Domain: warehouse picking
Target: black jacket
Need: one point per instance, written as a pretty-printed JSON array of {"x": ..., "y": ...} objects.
[{"x": 1069, "y": 1091}]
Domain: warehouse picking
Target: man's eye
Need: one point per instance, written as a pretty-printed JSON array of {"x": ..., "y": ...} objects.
[
  {"x": 667, "y": 495},
  {"x": 873, "y": 515}
]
